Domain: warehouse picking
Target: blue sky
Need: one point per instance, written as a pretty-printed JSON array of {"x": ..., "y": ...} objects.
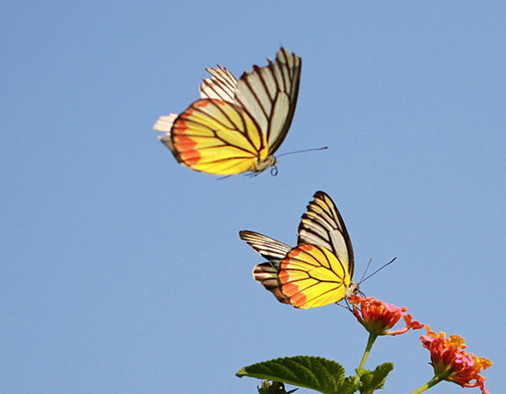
[{"x": 122, "y": 272}]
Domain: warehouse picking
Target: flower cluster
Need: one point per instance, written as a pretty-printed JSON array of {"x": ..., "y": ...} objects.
[
  {"x": 379, "y": 317},
  {"x": 448, "y": 357},
  {"x": 452, "y": 363}
]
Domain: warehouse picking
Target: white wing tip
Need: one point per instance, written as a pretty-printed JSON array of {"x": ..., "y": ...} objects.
[{"x": 164, "y": 123}]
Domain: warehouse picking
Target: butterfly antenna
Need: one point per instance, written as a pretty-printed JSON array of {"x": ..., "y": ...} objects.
[
  {"x": 378, "y": 270},
  {"x": 302, "y": 151},
  {"x": 365, "y": 271}
]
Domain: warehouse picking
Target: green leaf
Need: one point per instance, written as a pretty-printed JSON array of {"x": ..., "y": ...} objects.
[
  {"x": 314, "y": 373},
  {"x": 349, "y": 386},
  {"x": 273, "y": 388},
  {"x": 374, "y": 380}
]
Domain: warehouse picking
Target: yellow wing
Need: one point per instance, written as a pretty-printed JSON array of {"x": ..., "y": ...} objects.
[
  {"x": 311, "y": 276},
  {"x": 237, "y": 125},
  {"x": 317, "y": 272},
  {"x": 217, "y": 137}
]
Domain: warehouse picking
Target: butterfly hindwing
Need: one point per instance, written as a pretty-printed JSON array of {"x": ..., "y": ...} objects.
[{"x": 217, "y": 137}]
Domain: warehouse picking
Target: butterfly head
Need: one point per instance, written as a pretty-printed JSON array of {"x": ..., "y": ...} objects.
[
  {"x": 262, "y": 165},
  {"x": 353, "y": 288}
]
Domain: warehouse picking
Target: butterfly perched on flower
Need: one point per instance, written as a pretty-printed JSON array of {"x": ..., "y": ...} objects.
[
  {"x": 237, "y": 125},
  {"x": 316, "y": 272}
]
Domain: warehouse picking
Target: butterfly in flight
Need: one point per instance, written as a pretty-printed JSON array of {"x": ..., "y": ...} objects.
[
  {"x": 237, "y": 124},
  {"x": 319, "y": 270}
]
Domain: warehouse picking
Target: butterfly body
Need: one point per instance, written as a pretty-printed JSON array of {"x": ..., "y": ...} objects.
[
  {"x": 316, "y": 272},
  {"x": 237, "y": 125}
]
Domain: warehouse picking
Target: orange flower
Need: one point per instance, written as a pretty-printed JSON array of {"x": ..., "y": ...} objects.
[
  {"x": 452, "y": 363},
  {"x": 377, "y": 316}
]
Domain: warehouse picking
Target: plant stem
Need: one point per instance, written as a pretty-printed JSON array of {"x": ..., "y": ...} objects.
[
  {"x": 370, "y": 342},
  {"x": 435, "y": 380}
]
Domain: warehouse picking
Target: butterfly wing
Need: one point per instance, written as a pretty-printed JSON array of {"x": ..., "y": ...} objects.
[
  {"x": 311, "y": 276},
  {"x": 323, "y": 225},
  {"x": 267, "y": 247},
  {"x": 270, "y": 94},
  {"x": 272, "y": 250},
  {"x": 216, "y": 137},
  {"x": 221, "y": 85}
]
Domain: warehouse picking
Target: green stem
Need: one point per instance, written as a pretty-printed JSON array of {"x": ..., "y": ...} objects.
[
  {"x": 435, "y": 380},
  {"x": 370, "y": 342}
]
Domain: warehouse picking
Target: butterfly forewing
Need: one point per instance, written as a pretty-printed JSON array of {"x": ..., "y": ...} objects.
[
  {"x": 323, "y": 225},
  {"x": 270, "y": 93}
]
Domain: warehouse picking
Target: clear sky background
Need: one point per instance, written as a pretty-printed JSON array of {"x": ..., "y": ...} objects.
[{"x": 122, "y": 271}]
